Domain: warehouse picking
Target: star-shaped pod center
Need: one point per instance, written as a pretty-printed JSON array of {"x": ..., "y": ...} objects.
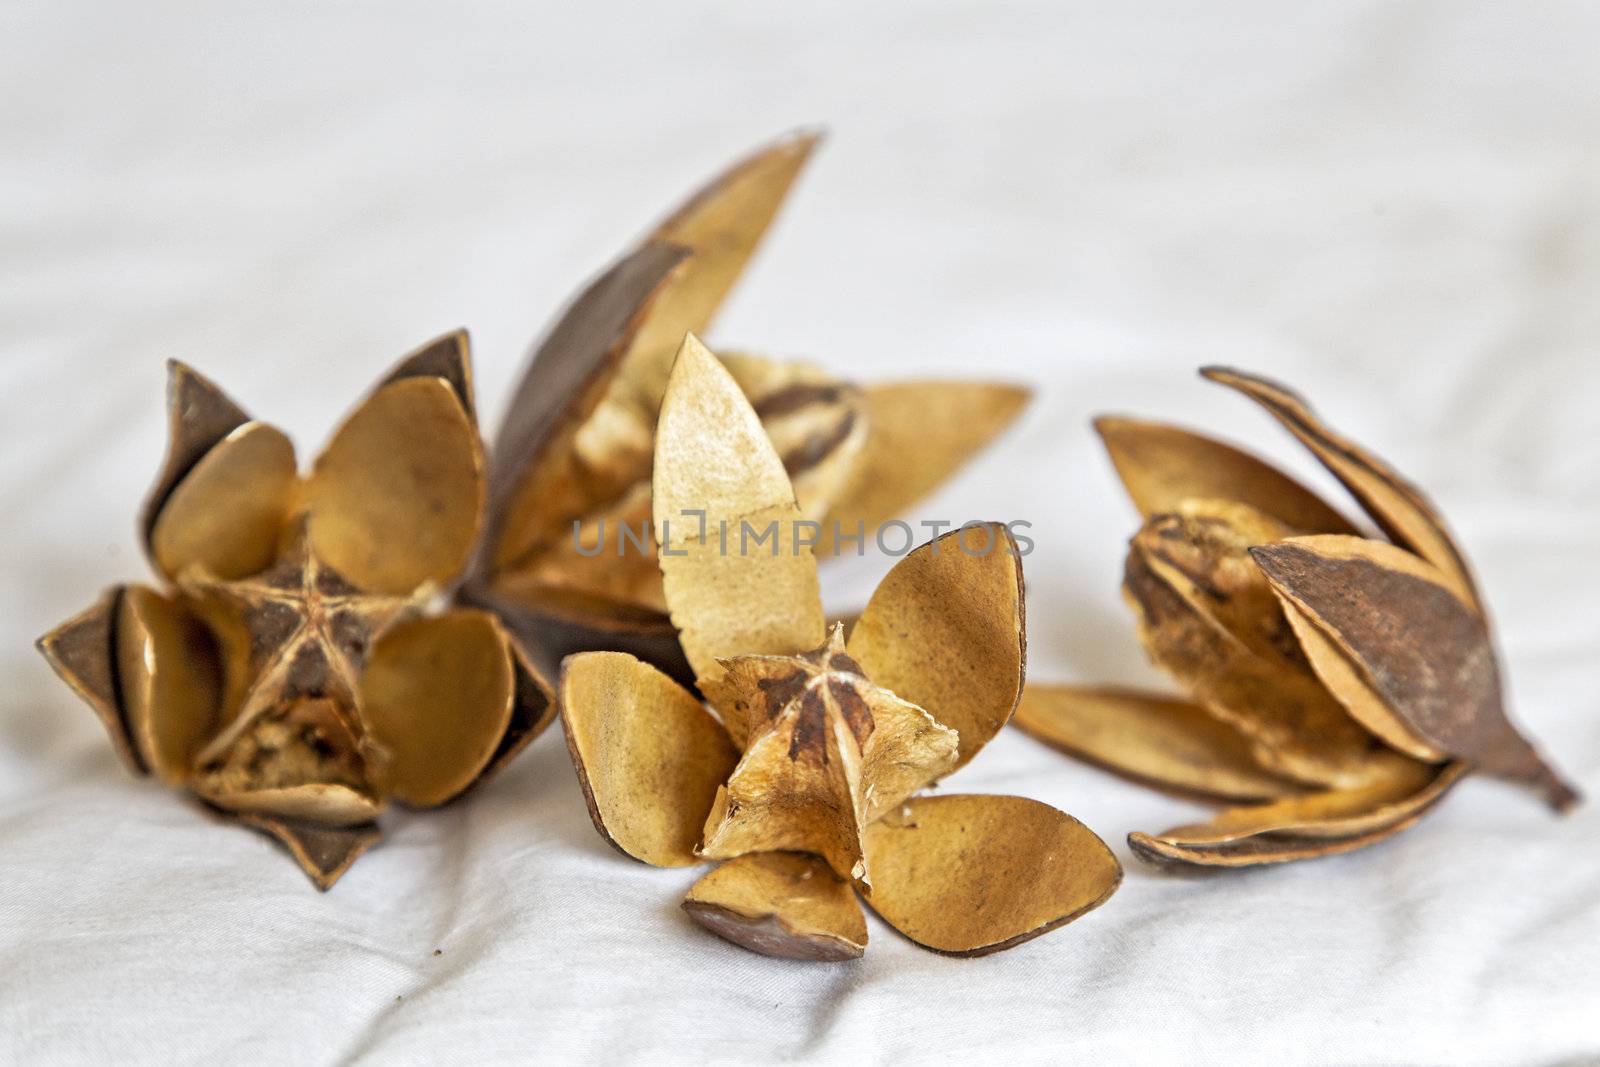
[{"x": 826, "y": 753}]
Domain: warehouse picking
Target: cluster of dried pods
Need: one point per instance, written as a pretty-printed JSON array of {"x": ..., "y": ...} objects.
[{"x": 295, "y": 672}]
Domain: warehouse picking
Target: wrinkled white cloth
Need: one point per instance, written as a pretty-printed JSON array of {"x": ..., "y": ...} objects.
[{"x": 1393, "y": 206}]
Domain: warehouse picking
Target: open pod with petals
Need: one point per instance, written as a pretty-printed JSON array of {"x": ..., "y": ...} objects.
[
  {"x": 287, "y": 669},
  {"x": 802, "y": 776},
  {"x": 1340, "y": 684},
  {"x": 569, "y": 558}
]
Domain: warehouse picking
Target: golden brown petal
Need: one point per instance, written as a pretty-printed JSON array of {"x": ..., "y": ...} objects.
[
  {"x": 198, "y": 416},
  {"x": 449, "y": 357},
  {"x": 1160, "y": 741},
  {"x": 437, "y": 699},
  {"x": 1257, "y": 851},
  {"x": 82, "y": 652},
  {"x": 396, "y": 497},
  {"x": 649, "y": 757},
  {"x": 1162, "y": 466},
  {"x": 321, "y": 804},
  {"x": 227, "y": 513},
  {"x": 533, "y": 708},
  {"x": 1399, "y": 507},
  {"x": 919, "y": 434},
  {"x": 781, "y": 904},
  {"x": 945, "y": 630},
  {"x": 1209, "y": 618},
  {"x": 735, "y": 568},
  {"x": 323, "y": 852},
  {"x": 1424, "y": 652},
  {"x": 970, "y": 875},
  {"x": 170, "y": 681}
]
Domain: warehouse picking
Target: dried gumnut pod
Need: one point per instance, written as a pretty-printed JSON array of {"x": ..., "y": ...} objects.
[
  {"x": 1160, "y": 741},
  {"x": 785, "y": 904},
  {"x": 1423, "y": 651},
  {"x": 1032, "y": 867},
  {"x": 649, "y": 757}
]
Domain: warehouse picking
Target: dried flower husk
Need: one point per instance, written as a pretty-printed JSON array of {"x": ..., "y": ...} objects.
[
  {"x": 1361, "y": 671},
  {"x": 288, "y": 673},
  {"x": 823, "y": 751},
  {"x": 574, "y": 455}
]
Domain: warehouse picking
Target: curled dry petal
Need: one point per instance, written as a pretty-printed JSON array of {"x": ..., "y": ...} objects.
[
  {"x": 1422, "y": 650},
  {"x": 438, "y": 697},
  {"x": 945, "y": 630},
  {"x": 736, "y": 570},
  {"x": 970, "y": 875},
  {"x": 226, "y": 515},
  {"x": 395, "y": 498},
  {"x": 82, "y": 652},
  {"x": 918, "y": 435},
  {"x": 1258, "y": 851},
  {"x": 323, "y": 804},
  {"x": 1163, "y": 466},
  {"x": 649, "y": 757},
  {"x": 169, "y": 681},
  {"x": 1399, "y": 507},
  {"x": 198, "y": 416},
  {"x": 323, "y": 852},
  {"x": 781, "y": 904},
  {"x": 1160, "y": 741}
]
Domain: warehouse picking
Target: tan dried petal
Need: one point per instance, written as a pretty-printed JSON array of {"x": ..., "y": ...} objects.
[
  {"x": 971, "y": 875},
  {"x": 649, "y": 757},
  {"x": 396, "y": 497},
  {"x": 1399, "y": 507},
  {"x": 437, "y": 699},
  {"x": 718, "y": 486},
  {"x": 1424, "y": 652},
  {"x": 1209, "y": 618},
  {"x": 1161, "y": 466},
  {"x": 1258, "y": 851},
  {"x": 169, "y": 680},
  {"x": 227, "y": 513},
  {"x": 919, "y": 434},
  {"x": 319, "y": 803},
  {"x": 323, "y": 852},
  {"x": 448, "y": 356},
  {"x": 781, "y": 904},
  {"x": 82, "y": 652},
  {"x": 1160, "y": 741},
  {"x": 945, "y": 630},
  {"x": 198, "y": 416}
]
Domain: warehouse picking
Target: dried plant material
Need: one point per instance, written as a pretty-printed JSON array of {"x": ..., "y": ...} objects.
[
  {"x": 1031, "y": 867},
  {"x": 784, "y": 904},
  {"x": 649, "y": 757},
  {"x": 1400, "y": 508},
  {"x": 962, "y": 591},
  {"x": 1163, "y": 466},
  {"x": 253, "y": 471},
  {"x": 323, "y": 852},
  {"x": 717, "y": 475},
  {"x": 268, "y": 680},
  {"x": 1361, "y": 667},
  {"x": 1163, "y": 742},
  {"x": 1426, "y": 654},
  {"x": 919, "y": 434}
]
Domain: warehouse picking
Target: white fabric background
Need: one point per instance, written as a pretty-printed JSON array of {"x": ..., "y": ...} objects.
[{"x": 1394, "y": 206}]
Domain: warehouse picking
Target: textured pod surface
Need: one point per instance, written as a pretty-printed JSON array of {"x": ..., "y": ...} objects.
[{"x": 781, "y": 904}]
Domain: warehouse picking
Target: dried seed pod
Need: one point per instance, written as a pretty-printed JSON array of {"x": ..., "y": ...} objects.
[
  {"x": 1032, "y": 867},
  {"x": 1159, "y": 741},
  {"x": 784, "y": 904},
  {"x": 287, "y": 678},
  {"x": 1424, "y": 653}
]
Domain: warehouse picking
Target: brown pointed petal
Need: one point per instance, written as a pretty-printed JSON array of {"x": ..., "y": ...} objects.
[
  {"x": 198, "y": 416},
  {"x": 649, "y": 756},
  {"x": 533, "y": 709},
  {"x": 396, "y": 497},
  {"x": 1257, "y": 851},
  {"x": 448, "y": 357},
  {"x": 322, "y": 804},
  {"x": 1159, "y": 741},
  {"x": 82, "y": 652},
  {"x": 945, "y": 631},
  {"x": 170, "y": 680},
  {"x": 227, "y": 512},
  {"x": 918, "y": 435},
  {"x": 1423, "y": 651},
  {"x": 783, "y": 904},
  {"x": 323, "y": 852},
  {"x": 970, "y": 875},
  {"x": 437, "y": 697},
  {"x": 738, "y": 576},
  {"x": 1161, "y": 466},
  {"x": 1396, "y": 505}
]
